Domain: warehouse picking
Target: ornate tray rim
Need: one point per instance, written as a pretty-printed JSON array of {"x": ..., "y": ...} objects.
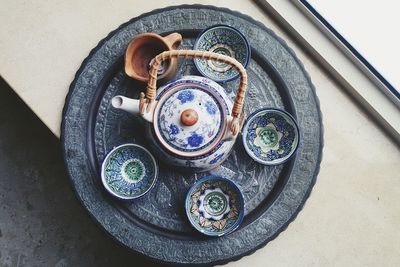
[{"x": 283, "y": 43}]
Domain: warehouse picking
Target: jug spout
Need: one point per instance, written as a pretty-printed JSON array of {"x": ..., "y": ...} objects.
[{"x": 127, "y": 104}]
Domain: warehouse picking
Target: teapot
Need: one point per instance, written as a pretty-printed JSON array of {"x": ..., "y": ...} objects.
[{"x": 191, "y": 122}]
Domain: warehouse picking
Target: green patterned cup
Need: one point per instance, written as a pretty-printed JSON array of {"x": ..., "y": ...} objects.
[
  {"x": 270, "y": 136},
  {"x": 129, "y": 171},
  {"x": 225, "y": 40}
]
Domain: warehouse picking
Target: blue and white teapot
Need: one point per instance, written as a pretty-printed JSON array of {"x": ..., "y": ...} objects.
[{"x": 191, "y": 122}]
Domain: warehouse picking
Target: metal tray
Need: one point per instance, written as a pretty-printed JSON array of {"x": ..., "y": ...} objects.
[{"x": 156, "y": 225}]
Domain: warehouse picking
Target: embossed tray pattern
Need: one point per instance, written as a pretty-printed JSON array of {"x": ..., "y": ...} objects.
[{"x": 155, "y": 225}]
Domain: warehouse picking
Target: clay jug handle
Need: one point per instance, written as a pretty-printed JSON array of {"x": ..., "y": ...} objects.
[{"x": 173, "y": 40}]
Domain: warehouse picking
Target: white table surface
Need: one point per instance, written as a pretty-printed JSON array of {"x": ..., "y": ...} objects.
[{"x": 352, "y": 217}]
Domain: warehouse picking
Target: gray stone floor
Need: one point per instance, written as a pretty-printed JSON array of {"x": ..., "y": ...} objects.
[{"x": 41, "y": 221}]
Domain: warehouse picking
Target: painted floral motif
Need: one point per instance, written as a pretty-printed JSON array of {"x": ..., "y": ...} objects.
[
  {"x": 133, "y": 170},
  {"x": 211, "y": 107},
  {"x": 267, "y": 137},
  {"x": 195, "y": 140},
  {"x": 215, "y": 160},
  {"x": 174, "y": 130},
  {"x": 222, "y": 49},
  {"x": 215, "y": 206},
  {"x": 185, "y": 96},
  {"x": 272, "y": 155}
]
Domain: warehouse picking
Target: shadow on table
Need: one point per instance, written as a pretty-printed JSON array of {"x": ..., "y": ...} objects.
[{"x": 41, "y": 221}]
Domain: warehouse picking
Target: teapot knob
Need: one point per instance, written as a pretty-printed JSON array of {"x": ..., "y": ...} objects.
[{"x": 189, "y": 117}]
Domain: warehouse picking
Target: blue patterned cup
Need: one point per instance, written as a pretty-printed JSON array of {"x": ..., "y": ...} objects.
[
  {"x": 225, "y": 40},
  {"x": 129, "y": 171},
  {"x": 214, "y": 206},
  {"x": 270, "y": 136}
]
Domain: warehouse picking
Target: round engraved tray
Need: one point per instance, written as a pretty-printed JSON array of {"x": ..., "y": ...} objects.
[{"x": 156, "y": 225}]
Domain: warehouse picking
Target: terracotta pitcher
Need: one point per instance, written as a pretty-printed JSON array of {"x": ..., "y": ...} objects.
[{"x": 146, "y": 46}]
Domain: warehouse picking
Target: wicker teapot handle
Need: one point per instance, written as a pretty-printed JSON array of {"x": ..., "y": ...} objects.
[{"x": 239, "y": 100}]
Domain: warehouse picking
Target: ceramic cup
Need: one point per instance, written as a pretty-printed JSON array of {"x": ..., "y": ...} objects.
[
  {"x": 225, "y": 40},
  {"x": 214, "y": 206},
  {"x": 129, "y": 171},
  {"x": 270, "y": 136},
  {"x": 143, "y": 48}
]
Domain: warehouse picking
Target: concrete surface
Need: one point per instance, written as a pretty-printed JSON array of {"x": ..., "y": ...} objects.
[{"x": 41, "y": 221}]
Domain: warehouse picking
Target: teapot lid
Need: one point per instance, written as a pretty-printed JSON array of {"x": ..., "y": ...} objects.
[{"x": 190, "y": 119}]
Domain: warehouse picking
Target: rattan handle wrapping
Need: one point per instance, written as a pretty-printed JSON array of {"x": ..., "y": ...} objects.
[{"x": 239, "y": 100}]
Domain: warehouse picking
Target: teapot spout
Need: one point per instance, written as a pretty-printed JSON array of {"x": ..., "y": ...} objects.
[{"x": 127, "y": 104}]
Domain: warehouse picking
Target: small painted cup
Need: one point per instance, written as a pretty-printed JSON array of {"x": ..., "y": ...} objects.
[
  {"x": 129, "y": 171},
  {"x": 270, "y": 136},
  {"x": 214, "y": 206},
  {"x": 225, "y": 40},
  {"x": 143, "y": 48}
]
